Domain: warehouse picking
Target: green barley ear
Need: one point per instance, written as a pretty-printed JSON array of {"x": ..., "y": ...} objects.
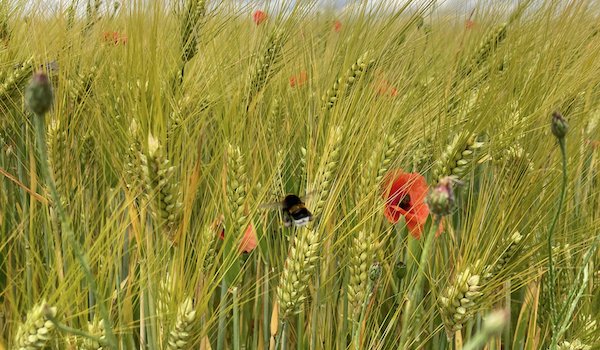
[
  {"x": 194, "y": 13},
  {"x": 322, "y": 185},
  {"x": 390, "y": 151},
  {"x": 377, "y": 166},
  {"x": 92, "y": 13},
  {"x": 512, "y": 246},
  {"x": 207, "y": 237},
  {"x": 236, "y": 218},
  {"x": 515, "y": 160},
  {"x": 458, "y": 301},
  {"x": 134, "y": 168},
  {"x": 345, "y": 83},
  {"x": 87, "y": 157},
  {"x": 70, "y": 13},
  {"x": 486, "y": 48},
  {"x": 15, "y": 80},
  {"x": 237, "y": 187},
  {"x": 459, "y": 157},
  {"x": 361, "y": 258},
  {"x": 96, "y": 329},
  {"x": 574, "y": 345},
  {"x": 57, "y": 157},
  {"x": 37, "y": 330},
  {"x": 164, "y": 299},
  {"x": 80, "y": 87},
  {"x": 162, "y": 188},
  {"x": 268, "y": 64},
  {"x": 4, "y": 28},
  {"x": 181, "y": 332},
  {"x": 297, "y": 271}
]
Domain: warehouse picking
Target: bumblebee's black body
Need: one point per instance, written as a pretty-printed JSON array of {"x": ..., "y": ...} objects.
[{"x": 294, "y": 211}]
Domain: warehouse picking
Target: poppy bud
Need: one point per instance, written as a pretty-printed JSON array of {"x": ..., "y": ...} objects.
[
  {"x": 400, "y": 270},
  {"x": 375, "y": 272},
  {"x": 559, "y": 125},
  {"x": 38, "y": 95},
  {"x": 441, "y": 198}
]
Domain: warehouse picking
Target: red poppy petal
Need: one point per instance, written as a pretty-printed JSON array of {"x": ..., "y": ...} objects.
[
  {"x": 249, "y": 241},
  {"x": 393, "y": 216}
]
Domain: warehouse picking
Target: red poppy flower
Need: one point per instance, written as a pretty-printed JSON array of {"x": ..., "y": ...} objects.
[
  {"x": 299, "y": 80},
  {"x": 469, "y": 24},
  {"x": 259, "y": 16},
  {"x": 249, "y": 240},
  {"x": 115, "y": 38},
  {"x": 337, "y": 26},
  {"x": 405, "y": 196},
  {"x": 385, "y": 88}
]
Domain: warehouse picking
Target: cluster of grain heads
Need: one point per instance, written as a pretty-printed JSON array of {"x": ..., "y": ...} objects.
[
  {"x": 181, "y": 331},
  {"x": 96, "y": 329},
  {"x": 162, "y": 187},
  {"x": 37, "y": 330},
  {"x": 458, "y": 301},
  {"x": 267, "y": 64},
  {"x": 192, "y": 18},
  {"x": 459, "y": 157},
  {"x": 574, "y": 345},
  {"x": 347, "y": 81},
  {"x": 299, "y": 267},
  {"x": 513, "y": 246},
  {"x": 14, "y": 81},
  {"x": 304, "y": 253},
  {"x": 361, "y": 257}
]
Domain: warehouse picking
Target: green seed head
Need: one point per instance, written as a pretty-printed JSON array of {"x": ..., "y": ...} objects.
[
  {"x": 38, "y": 94},
  {"x": 559, "y": 125}
]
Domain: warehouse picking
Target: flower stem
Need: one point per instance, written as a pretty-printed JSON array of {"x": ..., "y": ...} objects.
[
  {"x": 416, "y": 294},
  {"x": 39, "y": 125},
  {"x": 222, "y": 308},
  {"x": 236, "y": 319},
  {"x": 554, "y": 314}
]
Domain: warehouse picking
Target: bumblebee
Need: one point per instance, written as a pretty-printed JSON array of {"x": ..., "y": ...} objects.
[{"x": 294, "y": 211}]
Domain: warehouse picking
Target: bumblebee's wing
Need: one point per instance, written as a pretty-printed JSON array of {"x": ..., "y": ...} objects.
[
  {"x": 274, "y": 205},
  {"x": 308, "y": 195}
]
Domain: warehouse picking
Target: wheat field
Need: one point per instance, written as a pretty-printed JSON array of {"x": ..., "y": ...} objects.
[{"x": 444, "y": 166}]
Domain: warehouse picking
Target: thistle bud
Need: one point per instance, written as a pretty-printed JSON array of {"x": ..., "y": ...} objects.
[
  {"x": 38, "y": 95},
  {"x": 441, "y": 198},
  {"x": 374, "y": 272},
  {"x": 559, "y": 125}
]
